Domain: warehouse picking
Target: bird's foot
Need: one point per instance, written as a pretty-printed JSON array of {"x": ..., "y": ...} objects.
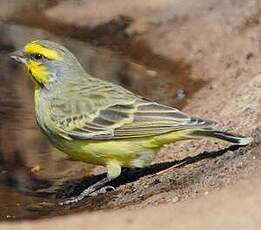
[
  {"x": 76, "y": 199},
  {"x": 85, "y": 193},
  {"x": 95, "y": 187},
  {"x": 70, "y": 201},
  {"x": 106, "y": 189}
]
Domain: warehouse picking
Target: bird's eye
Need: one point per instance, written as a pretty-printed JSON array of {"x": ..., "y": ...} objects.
[{"x": 37, "y": 56}]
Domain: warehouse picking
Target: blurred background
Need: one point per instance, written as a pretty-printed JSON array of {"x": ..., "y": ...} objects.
[{"x": 200, "y": 56}]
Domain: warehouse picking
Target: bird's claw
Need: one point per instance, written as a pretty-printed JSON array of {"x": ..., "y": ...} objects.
[
  {"x": 70, "y": 201},
  {"x": 106, "y": 189},
  {"x": 84, "y": 194}
]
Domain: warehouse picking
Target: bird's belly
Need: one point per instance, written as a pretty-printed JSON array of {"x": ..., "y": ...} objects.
[
  {"x": 127, "y": 153},
  {"x": 136, "y": 152}
]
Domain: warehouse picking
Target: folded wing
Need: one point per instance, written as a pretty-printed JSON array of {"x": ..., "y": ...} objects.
[{"x": 105, "y": 113}]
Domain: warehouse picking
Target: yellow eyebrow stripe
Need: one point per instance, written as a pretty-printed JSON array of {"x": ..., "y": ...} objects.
[{"x": 33, "y": 48}]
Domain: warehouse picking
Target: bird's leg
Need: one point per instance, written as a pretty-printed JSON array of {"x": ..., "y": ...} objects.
[
  {"x": 113, "y": 171},
  {"x": 98, "y": 185}
]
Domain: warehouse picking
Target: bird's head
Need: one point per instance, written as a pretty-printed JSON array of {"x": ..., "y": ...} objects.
[{"x": 46, "y": 61}]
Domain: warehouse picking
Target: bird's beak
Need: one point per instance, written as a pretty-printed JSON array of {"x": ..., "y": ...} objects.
[{"x": 18, "y": 56}]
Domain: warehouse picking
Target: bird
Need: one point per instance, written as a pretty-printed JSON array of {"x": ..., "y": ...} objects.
[{"x": 99, "y": 122}]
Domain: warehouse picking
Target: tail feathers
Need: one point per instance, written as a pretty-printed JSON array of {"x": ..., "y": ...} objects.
[{"x": 238, "y": 140}]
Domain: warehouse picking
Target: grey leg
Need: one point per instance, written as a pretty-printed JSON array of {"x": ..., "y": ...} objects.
[
  {"x": 113, "y": 171},
  {"x": 98, "y": 185}
]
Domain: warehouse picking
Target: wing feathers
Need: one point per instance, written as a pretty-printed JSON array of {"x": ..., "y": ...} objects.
[
  {"x": 105, "y": 112},
  {"x": 137, "y": 120}
]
